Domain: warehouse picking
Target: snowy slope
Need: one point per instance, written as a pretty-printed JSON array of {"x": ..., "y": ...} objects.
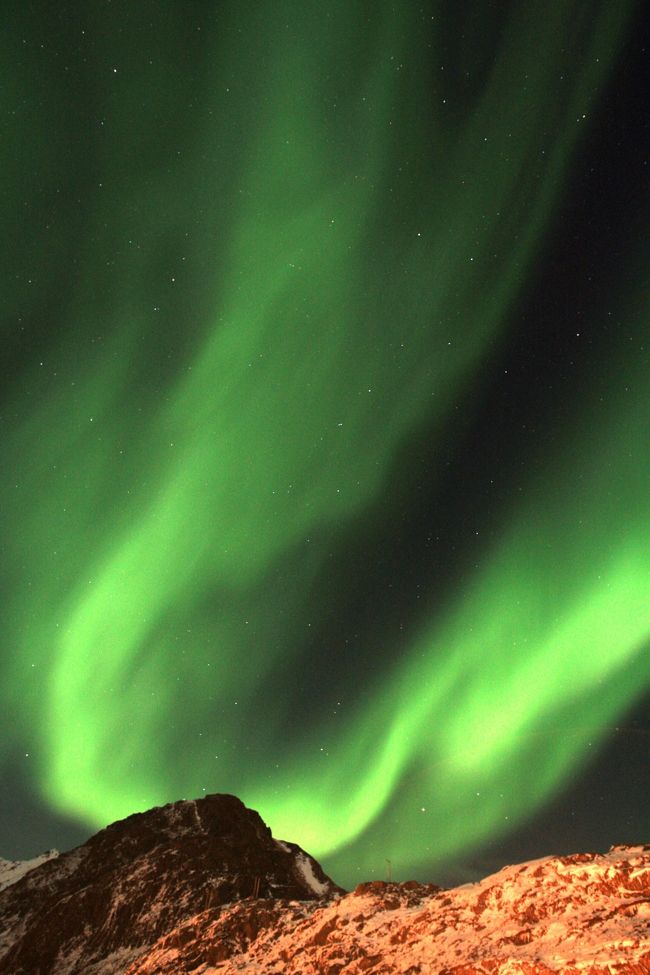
[{"x": 13, "y": 870}]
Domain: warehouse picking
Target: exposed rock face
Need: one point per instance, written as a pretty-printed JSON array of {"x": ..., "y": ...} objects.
[
  {"x": 95, "y": 909},
  {"x": 586, "y": 914},
  {"x": 203, "y": 888}
]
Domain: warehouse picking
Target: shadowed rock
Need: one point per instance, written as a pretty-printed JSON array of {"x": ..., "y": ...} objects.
[{"x": 95, "y": 908}]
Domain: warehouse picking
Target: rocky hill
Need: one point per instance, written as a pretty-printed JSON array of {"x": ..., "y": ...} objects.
[
  {"x": 579, "y": 915},
  {"x": 203, "y": 888},
  {"x": 94, "y": 909}
]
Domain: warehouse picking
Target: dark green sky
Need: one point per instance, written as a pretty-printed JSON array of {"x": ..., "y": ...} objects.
[{"x": 325, "y": 424}]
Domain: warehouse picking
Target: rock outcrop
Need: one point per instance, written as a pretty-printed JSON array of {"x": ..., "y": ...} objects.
[
  {"x": 94, "y": 909},
  {"x": 202, "y": 888},
  {"x": 578, "y": 915}
]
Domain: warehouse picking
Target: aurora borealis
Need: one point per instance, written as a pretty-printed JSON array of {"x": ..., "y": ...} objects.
[{"x": 326, "y": 415}]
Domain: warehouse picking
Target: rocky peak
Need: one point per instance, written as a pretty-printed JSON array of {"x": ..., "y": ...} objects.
[{"x": 95, "y": 908}]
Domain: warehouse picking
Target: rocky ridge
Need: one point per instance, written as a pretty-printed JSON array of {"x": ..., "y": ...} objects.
[
  {"x": 94, "y": 909},
  {"x": 202, "y": 888},
  {"x": 587, "y": 914}
]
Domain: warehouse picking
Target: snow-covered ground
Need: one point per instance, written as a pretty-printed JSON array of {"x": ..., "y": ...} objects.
[
  {"x": 13, "y": 870},
  {"x": 305, "y": 868}
]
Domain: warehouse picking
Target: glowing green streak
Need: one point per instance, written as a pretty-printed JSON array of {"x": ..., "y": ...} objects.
[
  {"x": 176, "y": 531},
  {"x": 552, "y": 634}
]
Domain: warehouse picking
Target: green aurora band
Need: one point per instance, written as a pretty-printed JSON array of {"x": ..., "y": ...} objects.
[{"x": 343, "y": 252}]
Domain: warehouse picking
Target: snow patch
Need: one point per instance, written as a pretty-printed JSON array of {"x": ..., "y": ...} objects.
[
  {"x": 306, "y": 871},
  {"x": 13, "y": 870},
  {"x": 197, "y": 818}
]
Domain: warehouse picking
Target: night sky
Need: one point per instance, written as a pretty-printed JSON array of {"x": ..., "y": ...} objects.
[{"x": 325, "y": 424}]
